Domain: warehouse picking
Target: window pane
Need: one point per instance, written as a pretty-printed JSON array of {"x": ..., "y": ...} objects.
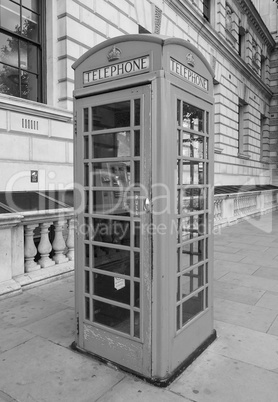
[
  {"x": 193, "y": 145},
  {"x": 112, "y": 115},
  {"x": 10, "y": 16},
  {"x": 9, "y": 80},
  {"x": 137, "y": 324},
  {"x": 87, "y": 255},
  {"x": 112, "y": 316},
  {"x": 28, "y": 56},
  {"x": 192, "y": 253},
  {"x": 106, "y": 286},
  {"x": 137, "y": 264},
  {"x": 111, "y": 145},
  {"x": 111, "y": 174},
  {"x": 137, "y": 294},
  {"x": 87, "y": 281},
  {"x": 111, "y": 231},
  {"x": 32, "y": 4},
  {"x": 192, "y": 226},
  {"x": 112, "y": 260},
  {"x": 29, "y": 86},
  {"x": 9, "y": 50},
  {"x": 192, "y": 280},
  {"x": 29, "y": 24},
  {"x": 87, "y": 308},
  {"x": 193, "y": 117},
  {"x": 85, "y": 119},
  {"x": 179, "y": 112},
  {"x": 137, "y": 173},
  {"x": 136, "y": 234},
  {"x": 193, "y": 173},
  {"x": 193, "y": 199},
  {"x": 137, "y": 143},
  {"x": 192, "y": 307},
  {"x": 137, "y": 112},
  {"x": 86, "y": 147}
]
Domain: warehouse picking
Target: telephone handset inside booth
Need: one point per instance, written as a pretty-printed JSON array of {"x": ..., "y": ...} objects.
[{"x": 115, "y": 178}]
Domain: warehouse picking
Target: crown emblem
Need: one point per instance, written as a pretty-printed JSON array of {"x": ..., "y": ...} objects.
[
  {"x": 114, "y": 54},
  {"x": 190, "y": 59}
]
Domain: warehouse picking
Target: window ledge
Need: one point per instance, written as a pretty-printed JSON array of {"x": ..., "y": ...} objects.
[
  {"x": 218, "y": 150},
  {"x": 241, "y": 155},
  {"x": 12, "y": 103}
]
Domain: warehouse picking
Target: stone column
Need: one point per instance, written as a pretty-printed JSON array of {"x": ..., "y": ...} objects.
[
  {"x": 59, "y": 244},
  {"x": 30, "y": 249},
  {"x": 70, "y": 240},
  {"x": 44, "y": 247}
]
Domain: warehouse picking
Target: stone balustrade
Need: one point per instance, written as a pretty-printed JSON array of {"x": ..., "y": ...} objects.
[
  {"x": 232, "y": 208},
  {"x": 33, "y": 241},
  {"x": 39, "y": 250}
]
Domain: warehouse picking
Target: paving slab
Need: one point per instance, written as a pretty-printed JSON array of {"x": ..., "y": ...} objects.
[
  {"x": 219, "y": 272},
  {"x": 228, "y": 257},
  {"x": 247, "y": 246},
  {"x": 28, "y": 309},
  {"x": 58, "y": 328},
  {"x": 240, "y": 294},
  {"x": 136, "y": 390},
  {"x": 251, "y": 281},
  {"x": 253, "y": 317},
  {"x": 46, "y": 372},
  {"x": 55, "y": 292},
  {"x": 260, "y": 259},
  {"x": 223, "y": 248},
  {"x": 274, "y": 327},
  {"x": 238, "y": 343},
  {"x": 11, "y": 337},
  {"x": 236, "y": 266},
  {"x": 269, "y": 300},
  {"x": 265, "y": 272},
  {"x": 216, "y": 378}
]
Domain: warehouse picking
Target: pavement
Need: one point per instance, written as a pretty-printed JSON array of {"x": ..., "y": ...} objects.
[{"x": 37, "y": 363}]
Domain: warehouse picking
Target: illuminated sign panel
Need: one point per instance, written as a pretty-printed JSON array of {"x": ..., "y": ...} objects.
[
  {"x": 115, "y": 70},
  {"x": 188, "y": 74}
]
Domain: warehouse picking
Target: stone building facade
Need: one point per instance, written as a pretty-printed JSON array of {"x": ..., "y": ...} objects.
[{"x": 236, "y": 38}]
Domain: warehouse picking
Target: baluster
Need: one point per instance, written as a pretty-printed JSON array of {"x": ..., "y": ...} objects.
[
  {"x": 59, "y": 244},
  {"x": 30, "y": 249},
  {"x": 70, "y": 240},
  {"x": 44, "y": 247}
]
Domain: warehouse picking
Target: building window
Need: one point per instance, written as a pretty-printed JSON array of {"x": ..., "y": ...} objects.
[
  {"x": 256, "y": 57},
  {"x": 142, "y": 30},
  {"x": 242, "y": 144},
  {"x": 241, "y": 42},
  {"x": 21, "y": 48},
  {"x": 206, "y": 10},
  {"x": 264, "y": 144}
]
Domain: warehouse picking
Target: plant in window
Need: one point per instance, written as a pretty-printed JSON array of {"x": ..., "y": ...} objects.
[{"x": 11, "y": 77}]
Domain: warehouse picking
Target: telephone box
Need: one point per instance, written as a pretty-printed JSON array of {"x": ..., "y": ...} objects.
[{"x": 144, "y": 201}]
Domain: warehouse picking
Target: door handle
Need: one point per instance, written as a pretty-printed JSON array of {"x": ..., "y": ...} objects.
[{"x": 147, "y": 205}]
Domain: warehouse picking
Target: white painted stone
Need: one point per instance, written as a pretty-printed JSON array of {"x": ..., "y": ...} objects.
[
  {"x": 61, "y": 130},
  {"x": 215, "y": 378},
  {"x": 44, "y": 150},
  {"x": 54, "y": 373},
  {"x": 269, "y": 300},
  {"x": 35, "y": 125},
  {"x": 253, "y": 317},
  {"x": 14, "y": 147},
  {"x": 238, "y": 343}
]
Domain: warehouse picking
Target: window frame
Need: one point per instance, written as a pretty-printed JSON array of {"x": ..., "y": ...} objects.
[
  {"x": 39, "y": 44},
  {"x": 207, "y": 10}
]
